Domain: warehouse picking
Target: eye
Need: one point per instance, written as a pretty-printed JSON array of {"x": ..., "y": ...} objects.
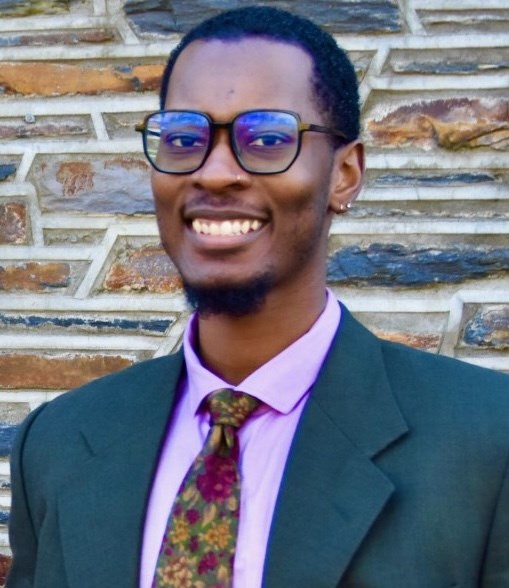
[
  {"x": 184, "y": 140},
  {"x": 269, "y": 140}
]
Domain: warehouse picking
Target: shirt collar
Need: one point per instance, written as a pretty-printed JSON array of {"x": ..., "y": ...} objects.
[{"x": 281, "y": 382}]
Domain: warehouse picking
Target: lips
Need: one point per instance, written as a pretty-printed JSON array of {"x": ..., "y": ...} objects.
[{"x": 225, "y": 228}]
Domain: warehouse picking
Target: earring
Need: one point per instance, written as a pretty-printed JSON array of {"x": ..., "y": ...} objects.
[{"x": 344, "y": 208}]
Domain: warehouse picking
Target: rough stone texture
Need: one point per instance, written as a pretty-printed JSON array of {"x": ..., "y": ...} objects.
[
  {"x": 5, "y": 562},
  {"x": 73, "y": 236},
  {"x": 13, "y": 229},
  {"x": 55, "y": 372},
  {"x": 34, "y": 277},
  {"x": 457, "y": 62},
  {"x": 45, "y": 39},
  {"x": 395, "y": 265},
  {"x": 112, "y": 184},
  {"x": 121, "y": 125},
  {"x": 85, "y": 324},
  {"x": 452, "y": 124},
  {"x": 426, "y": 342},
  {"x": 7, "y": 170},
  {"x": 13, "y": 413},
  {"x": 60, "y": 79},
  {"x": 170, "y": 16},
  {"x": 45, "y": 127},
  {"x": 485, "y": 21},
  {"x": 145, "y": 270},
  {"x": 7, "y": 434},
  {"x": 435, "y": 179},
  {"x": 32, "y": 7},
  {"x": 488, "y": 328},
  {"x": 407, "y": 328}
]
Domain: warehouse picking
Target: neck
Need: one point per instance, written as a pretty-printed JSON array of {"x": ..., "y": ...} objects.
[{"x": 234, "y": 347}]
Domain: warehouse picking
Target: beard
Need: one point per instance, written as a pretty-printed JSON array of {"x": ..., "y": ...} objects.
[{"x": 238, "y": 300}]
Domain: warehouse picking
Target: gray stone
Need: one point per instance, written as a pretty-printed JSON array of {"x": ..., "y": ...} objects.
[
  {"x": 482, "y": 20},
  {"x": 45, "y": 39},
  {"x": 170, "y": 16},
  {"x": 394, "y": 265},
  {"x": 101, "y": 324},
  {"x": 434, "y": 179},
  {"x": 115, "y": 184}
]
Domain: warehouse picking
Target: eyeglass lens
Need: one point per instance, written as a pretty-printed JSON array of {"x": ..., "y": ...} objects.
[{"x": 262, "y": 141}]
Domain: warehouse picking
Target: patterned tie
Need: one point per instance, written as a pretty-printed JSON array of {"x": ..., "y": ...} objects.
[{"x": 198, "y": 547}]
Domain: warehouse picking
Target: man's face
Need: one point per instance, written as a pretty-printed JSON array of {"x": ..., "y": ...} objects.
[{"x": 288, "y": 214}]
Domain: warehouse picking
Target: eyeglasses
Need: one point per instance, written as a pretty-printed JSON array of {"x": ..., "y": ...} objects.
[{"x": 262, "y": 141}]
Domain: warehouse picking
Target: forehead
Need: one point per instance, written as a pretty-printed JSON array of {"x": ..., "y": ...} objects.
[{"x": 223, "y": 78}]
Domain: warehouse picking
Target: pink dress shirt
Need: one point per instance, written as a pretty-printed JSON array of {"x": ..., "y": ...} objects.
[{"x": 283, "y": 385}]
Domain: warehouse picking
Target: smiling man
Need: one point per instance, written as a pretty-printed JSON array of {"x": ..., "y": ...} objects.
[{"x": 284, "y": 445}]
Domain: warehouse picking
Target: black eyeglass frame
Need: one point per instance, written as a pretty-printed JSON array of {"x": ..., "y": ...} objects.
[{"x": 213, "y": 125}]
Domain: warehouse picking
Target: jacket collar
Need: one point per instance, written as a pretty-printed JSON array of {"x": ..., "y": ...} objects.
[{"x": 323, "y": 513}]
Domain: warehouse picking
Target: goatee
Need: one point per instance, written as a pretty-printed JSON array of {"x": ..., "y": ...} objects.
[{"x": 238, "y": 300}]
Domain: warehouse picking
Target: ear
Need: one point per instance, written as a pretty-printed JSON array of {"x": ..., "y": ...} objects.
[{"x": 346, "y": 176}]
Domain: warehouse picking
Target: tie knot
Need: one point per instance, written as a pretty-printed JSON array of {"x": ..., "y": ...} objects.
[{"x": 228, "y": 407}]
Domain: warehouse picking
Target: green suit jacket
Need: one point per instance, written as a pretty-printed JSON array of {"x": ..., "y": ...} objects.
[{"x": 396, "y": 478}]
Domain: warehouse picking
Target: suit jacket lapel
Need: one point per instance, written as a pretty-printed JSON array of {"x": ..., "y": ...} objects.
[
  {"x": 323, "y": 513},
  {"x": 102, "y": 506}
]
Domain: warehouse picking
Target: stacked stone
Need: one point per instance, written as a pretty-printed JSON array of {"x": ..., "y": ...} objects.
[{"x": 85, "y": 289}]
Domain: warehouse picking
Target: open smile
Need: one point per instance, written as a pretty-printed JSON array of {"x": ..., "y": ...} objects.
[{"x": 225, "y": 228}]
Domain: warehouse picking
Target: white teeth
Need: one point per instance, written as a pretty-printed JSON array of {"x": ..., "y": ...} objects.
[{"x": 225, "y": 228}]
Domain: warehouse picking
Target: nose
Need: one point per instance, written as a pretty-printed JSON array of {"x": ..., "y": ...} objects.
[{"x": 221, "y": 171}]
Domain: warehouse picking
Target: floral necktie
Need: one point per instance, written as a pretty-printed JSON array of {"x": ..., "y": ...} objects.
[{"x": 198, "y": 546}]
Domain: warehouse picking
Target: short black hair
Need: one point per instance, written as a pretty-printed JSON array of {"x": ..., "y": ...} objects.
[{"x": 334, "y": 80}]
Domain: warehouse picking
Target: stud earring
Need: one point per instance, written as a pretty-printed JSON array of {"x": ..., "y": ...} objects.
[{"x": 344, "y": 208}]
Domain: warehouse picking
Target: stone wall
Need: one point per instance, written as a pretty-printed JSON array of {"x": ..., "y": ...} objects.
[{"x": 85, "y": 289}]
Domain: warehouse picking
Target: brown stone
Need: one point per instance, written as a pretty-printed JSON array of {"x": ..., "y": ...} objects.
[
  {"x": 96, "y": 184},
  {"x": 428, "y": 342},
  {"x": 75, "y": 177},
  {"x": 59, "y": 79},
  {"x": 5, "y": 564},
  {"x": 35, "y": 276},
  {"x": 450, "y": 123},
  {"x": 148, "y": 269},
  {"x": 13, "y": 224},
  {"x": 45, "y": 127},
  {"x": 55, "y": 372}
]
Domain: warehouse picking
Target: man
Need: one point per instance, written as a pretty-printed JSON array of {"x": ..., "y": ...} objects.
[{"x": 366, "y": 464}]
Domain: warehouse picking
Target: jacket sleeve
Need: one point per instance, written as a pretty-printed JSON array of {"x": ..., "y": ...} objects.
[
  {"x": 496, "y": 567},
  {"x": 22, "y": 534}
]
